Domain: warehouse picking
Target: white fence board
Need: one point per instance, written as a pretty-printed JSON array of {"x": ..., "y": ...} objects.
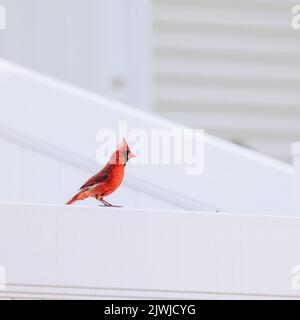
[
  {"x": 41, "y": 178},
  {"x": 11, "y": 185},
  {"x": 146, "y": 253}
]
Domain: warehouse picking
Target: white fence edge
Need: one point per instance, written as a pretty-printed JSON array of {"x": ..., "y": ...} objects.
[{"x": 57, "y": 251}]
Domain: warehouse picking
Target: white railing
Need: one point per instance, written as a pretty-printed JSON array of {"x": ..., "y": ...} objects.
[{"x": 51, "y": 251}]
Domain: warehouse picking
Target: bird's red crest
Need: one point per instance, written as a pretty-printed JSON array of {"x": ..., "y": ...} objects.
[
  {"x": 123, "y": 146},
  {"x": 123, "y": 154}
]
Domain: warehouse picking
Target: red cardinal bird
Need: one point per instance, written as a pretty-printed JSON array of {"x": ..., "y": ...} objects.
[{"x": 108, "y": 179}]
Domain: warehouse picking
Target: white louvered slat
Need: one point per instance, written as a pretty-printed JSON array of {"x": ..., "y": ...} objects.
[
  {"x": 241, "y": 13},
  {"x": 223, "y": 92},
  {"x": 240, "y": 122},
  {"x": 196, "y": 69},
  {"x": 227, "y": 42}
]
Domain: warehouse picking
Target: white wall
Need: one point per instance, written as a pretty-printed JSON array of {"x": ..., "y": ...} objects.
[
  {"x": 119, "y": 253},
  {"x": 104, "y": 46}
]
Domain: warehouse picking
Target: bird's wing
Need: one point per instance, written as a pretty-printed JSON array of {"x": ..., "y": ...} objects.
[{"x": 100, "y": 177}]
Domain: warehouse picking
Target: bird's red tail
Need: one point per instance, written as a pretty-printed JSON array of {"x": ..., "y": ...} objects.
[
  {"x": 78, "y": 196},
  {"x": 74, "y": 199}
]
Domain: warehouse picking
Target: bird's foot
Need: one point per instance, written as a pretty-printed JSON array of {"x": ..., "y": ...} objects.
[{"x": 109, "y": 206}]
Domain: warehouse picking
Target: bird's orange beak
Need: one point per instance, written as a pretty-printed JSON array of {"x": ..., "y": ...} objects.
[{"x": 131, "y": 156}]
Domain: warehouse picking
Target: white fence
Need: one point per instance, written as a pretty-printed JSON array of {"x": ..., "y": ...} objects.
[{"x": 75, "y": 252}]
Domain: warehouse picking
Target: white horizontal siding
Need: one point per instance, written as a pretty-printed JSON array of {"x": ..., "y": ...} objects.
[
  {"x": 228, "y": 42},
  {"x": 197, "y": 68},
  {"x": 270, "y": 14},
  {"x": 244, "y": 122},
  {"x": 228, "y": 94},
  {"x": 218, "y": 60}
]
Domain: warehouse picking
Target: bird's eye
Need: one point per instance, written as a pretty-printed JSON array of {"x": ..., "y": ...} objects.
[{"x": 126, "y": 154}]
